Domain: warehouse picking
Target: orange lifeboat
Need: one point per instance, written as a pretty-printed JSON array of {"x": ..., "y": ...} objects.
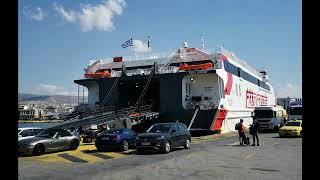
[
  {"x": 103, "y": 74},
  {"x": 204, "y": 66}
]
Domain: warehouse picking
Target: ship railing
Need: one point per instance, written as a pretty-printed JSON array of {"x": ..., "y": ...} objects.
[
  {"x": 168, "y": 69},
  {"x": 146, "y": 71},
  {"x": 104, "y": 117},
  {"x": 85, "y": 113},
  {"x": 144, "y": 56},
  {"x": 116, "y": 73}
]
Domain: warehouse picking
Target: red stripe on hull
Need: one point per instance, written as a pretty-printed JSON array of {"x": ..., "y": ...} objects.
[
  {"x": 227, "y": 90},
  {"x": 222, "y": 114}
]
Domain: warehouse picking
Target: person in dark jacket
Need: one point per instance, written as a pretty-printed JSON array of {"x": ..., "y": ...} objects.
[{"x": 254, "y": 130}]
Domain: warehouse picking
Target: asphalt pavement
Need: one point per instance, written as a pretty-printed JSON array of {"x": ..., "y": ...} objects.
[{"x": 209, "y": 158}]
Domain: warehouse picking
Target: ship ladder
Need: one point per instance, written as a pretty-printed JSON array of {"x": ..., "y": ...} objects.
[{"x": 194, "y": 116}]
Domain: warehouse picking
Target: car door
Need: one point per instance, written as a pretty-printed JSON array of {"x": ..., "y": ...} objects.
[
  {"x": 53, "y": 143},
  {"x": 65, "y": 138},
  {"x": 58, "y": 142},
  {"x": 174, "y": 134},
  {"x": 131, "y": 137},
  {"x": 183, "y": 135}
]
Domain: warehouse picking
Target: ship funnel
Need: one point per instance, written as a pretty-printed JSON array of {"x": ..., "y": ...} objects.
[{"x": 185, "y": 44}]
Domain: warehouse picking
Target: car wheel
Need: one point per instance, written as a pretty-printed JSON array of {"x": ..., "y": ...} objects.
[
  {"x": 125, "y": 145},
  {"x": 74, "y": 145},
  {"x": 188, "y": 144},
  {"x": 167, "y": 147},
  {"x": 38, "y": 150}
]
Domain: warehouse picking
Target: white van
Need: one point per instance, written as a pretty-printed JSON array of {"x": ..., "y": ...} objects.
[{"x": 270, "y": 117}]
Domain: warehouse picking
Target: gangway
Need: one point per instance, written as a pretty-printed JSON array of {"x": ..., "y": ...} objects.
[
  {"x": 105, "y": 115},
  {"x": 119, "y": 118}
]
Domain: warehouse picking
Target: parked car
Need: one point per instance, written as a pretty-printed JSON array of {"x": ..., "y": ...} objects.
[
  {"x": 122, "y": 139},
  {"x": 291, "y": 128},
  {"x": 163, "y": 137},
  {"x": 27, "y": 132},
  {"x": 48, "y": 140}
]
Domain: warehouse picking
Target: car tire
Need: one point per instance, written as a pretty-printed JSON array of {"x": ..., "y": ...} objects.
[
  {"x": 38, "y": 150},
  {"x": 125, "y": 145},
  {"x": 167, "y": 147},
  {"x": 187, "y": 144},
  {"x": 74, "y": 144}
]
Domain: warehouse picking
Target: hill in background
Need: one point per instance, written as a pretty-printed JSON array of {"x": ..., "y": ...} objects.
[{"x": 25, "y": 98}]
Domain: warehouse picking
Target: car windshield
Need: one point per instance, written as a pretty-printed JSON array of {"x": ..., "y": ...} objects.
[
  {"x": 292, "y": 124},
  {"x": 114, "y": 131},
  {"x": 159, "y": 128},
  {"x": 263, "y": 113},
  {"x": 47, "y": 133}
]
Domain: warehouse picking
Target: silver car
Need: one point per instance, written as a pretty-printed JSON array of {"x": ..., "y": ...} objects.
[{"x": 47, "y": 141}]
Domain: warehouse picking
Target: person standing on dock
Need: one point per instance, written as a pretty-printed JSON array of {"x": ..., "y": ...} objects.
[
  {"x": 242, "y": 136},
  {"x": 255, "y": 128}
]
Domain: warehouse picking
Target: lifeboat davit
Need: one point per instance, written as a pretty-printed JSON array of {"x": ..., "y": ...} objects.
[
  {"x": 204, "y": 66},
  {"x": 103, "y": 74}
]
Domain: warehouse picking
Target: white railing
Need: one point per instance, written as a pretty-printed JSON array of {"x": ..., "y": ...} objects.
[
  {"x": 147, "y": 56},
  {"x": 137, "y": 57},
  {"x": 138, "y": 72}
]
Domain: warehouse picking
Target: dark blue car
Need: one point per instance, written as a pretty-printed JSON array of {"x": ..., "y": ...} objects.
[{"x": 122, "y": 139}]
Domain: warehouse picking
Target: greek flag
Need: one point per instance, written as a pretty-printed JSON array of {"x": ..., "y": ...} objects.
[{"x": 127, "y": 43}]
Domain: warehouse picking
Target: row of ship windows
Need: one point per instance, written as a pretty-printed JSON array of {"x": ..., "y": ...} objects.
[{"x": 240, "y": 73}]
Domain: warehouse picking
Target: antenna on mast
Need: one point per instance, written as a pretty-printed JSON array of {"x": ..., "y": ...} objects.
[{"x": 202, "y": 43}]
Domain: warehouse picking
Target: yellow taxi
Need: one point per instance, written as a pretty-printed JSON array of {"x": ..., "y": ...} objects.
[{"x": 291, "y": 128}]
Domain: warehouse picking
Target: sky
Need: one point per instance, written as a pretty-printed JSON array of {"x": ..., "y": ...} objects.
[{"x": 57, "y": 39}]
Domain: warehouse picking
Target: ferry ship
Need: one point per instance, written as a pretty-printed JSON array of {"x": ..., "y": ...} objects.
[{"x": 205, "y": 91}]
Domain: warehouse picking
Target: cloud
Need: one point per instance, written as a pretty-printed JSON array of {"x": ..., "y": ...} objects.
[
  {"x": 289, "y": 90},
  {"x": 139, "y": 46},
  {"x": 49, "y": 89},
  {"x": 90, "y": 17},
  {"x": 68, "y": 16},
  {"x": 35, "y": 14}
]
